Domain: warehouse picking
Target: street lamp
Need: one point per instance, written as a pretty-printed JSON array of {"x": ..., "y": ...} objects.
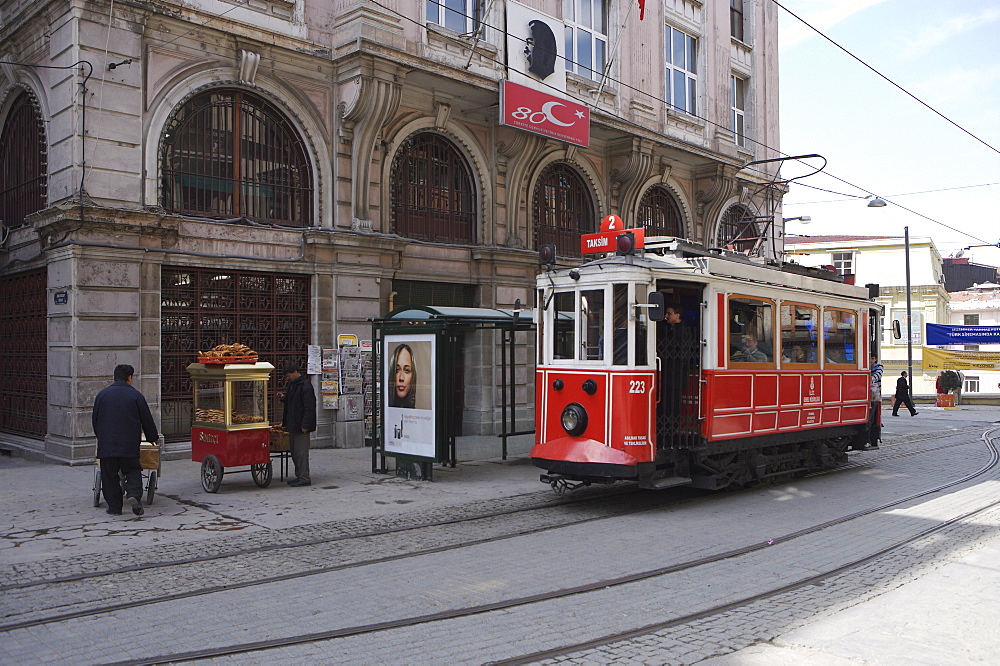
[
  {"x": 878, "y": 202},
  {"x": 804, "y": 219}
]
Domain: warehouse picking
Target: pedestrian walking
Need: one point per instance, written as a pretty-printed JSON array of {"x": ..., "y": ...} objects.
[
  {"x": 875, "y": 415},
  {"x": 902, "y": 396},
  {"x": 299, "y": 419},
  {"x": 120, "y": 417}
]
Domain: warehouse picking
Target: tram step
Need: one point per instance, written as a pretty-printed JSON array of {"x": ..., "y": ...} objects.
[{"x": 669, "y": 482}]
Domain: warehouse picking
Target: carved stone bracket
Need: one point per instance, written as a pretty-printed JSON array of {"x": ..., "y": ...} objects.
[
  {"x": 628, "y": 176},
  {"x": 374, "y": 104},
  {"x": 248, "y": 64}
]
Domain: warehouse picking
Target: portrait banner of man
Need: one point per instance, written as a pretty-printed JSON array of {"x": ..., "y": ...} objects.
[{"x": 408, "y": 394}]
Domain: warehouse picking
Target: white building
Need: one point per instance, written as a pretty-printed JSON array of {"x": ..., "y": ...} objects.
[
  {"x": 881, "y": 260},
  {"x": 977, "y": 306}
]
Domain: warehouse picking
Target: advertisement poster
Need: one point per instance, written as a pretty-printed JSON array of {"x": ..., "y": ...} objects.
[{"x": 408, "y": 395}]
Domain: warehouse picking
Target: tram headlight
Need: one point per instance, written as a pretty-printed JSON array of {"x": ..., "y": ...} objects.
[{"x": 574, "y": 419}]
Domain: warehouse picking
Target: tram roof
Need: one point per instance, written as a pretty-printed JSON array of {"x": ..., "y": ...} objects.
[{"x": 678, "y": 255}]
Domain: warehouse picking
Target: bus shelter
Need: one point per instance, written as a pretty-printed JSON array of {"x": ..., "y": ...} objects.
[{"x": 417, "y": 354}]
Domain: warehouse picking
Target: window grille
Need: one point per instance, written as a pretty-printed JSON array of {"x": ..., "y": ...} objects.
[
  {"x": 433, "y": 196},
  {"x": 660, "y": 214},
  {"x": 202, "y": 308},
  {"x": 562, "y": 209},
  {"x": 230, "y": 154},
  {"x": 738, "y": 228},
  {"x": 23, "y": 162},
  {"x": 24, "y": 399}
]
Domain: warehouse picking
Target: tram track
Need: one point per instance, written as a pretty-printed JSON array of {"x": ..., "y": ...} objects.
[
  {"x": 596, "y": 494},
  {"x": 374, "y": 628},
  {"x": 509, "y": 603},
  {"x": 493, "y": 533}
]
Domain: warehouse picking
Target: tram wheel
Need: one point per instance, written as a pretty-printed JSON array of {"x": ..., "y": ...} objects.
[
  {"x": 262, "y": 474},
  {"x": 151, "y": 487},
  {"x": 211, "y": 474}
]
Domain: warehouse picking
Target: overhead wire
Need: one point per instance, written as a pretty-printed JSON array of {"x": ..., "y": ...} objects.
[{"x": 886, "y": 78}]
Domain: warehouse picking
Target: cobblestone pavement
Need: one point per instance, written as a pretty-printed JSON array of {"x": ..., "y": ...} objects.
[{"x": 662, "y": 534}]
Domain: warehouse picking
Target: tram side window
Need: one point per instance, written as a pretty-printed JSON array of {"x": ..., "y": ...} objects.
[
  {"x": 840, "y": 336},
  {"x": 751, "y": 337},
  {"x": 592, "y": 321},
  {"x": 799, "y": 338},
  {"x": 564, "y": 325}
]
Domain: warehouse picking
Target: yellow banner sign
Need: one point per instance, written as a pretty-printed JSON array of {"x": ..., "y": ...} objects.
[{"x": 941, "y": 359}]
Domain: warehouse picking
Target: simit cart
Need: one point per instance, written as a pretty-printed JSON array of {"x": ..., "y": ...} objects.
[{"x": 229, "y": 426}]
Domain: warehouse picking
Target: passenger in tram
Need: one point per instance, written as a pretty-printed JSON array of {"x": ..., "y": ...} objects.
[
  {"x": 799, "y": 355},
  {"x": 749, "y": 353}
]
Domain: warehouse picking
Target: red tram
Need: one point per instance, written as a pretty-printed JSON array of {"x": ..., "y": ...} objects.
[{"x": 685, "y": 366}]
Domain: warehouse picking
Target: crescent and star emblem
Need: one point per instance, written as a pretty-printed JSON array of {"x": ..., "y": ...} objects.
[{"x": 547, "y": 110}]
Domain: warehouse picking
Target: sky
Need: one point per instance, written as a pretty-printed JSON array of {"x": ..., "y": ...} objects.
[{"x": 876, "y": 137}]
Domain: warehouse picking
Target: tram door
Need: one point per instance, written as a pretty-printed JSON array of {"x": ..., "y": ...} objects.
[{"x": 678, "y": 349}]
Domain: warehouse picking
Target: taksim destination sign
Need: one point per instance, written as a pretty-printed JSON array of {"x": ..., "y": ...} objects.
[{"x": 545, "y": 114}]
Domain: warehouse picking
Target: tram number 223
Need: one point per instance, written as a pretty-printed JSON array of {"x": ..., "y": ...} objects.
[{"x": 637, "y": 386}]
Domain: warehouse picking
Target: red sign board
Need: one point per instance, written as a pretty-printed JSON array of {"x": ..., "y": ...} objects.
[
  {"x": 545, "y": 114},
  {"x": 612, "y": 223},
  {"x": 606, "y": 241}
]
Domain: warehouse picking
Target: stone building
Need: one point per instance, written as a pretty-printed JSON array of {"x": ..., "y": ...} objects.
[{"x": 176, "y": 175}]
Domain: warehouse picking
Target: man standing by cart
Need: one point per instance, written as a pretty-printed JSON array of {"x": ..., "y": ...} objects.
[
  {"x": 121, "y": 416},
  {"x": 299, "y": 419}
]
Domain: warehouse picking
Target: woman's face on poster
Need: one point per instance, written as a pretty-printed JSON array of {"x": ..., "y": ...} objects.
[{"x": 403, "y": 373}]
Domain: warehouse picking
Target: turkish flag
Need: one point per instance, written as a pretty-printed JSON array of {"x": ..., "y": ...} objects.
[{"x": 642, "y": 9}]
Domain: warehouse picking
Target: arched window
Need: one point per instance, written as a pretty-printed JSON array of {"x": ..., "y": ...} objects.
[
  {"x": 739, "y": 229},
  {"x": 562, "y": 209},
  {"x": 660, "y": 214},
  {"x": 433, "y": 196},
  {"x": 231, "y": 153},
  {"x": 23, "y": 162}
]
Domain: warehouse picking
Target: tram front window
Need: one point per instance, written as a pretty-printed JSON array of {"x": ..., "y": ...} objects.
[
  {"x": 564, "y": 323},
  {"x": 592, "y": 322}
]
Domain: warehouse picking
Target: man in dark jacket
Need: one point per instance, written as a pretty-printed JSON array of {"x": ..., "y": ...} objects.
[
  {"x": 299, "y": 419},
  {"x": 903, "y": 396},
  {"x": 120, "y": 418}
]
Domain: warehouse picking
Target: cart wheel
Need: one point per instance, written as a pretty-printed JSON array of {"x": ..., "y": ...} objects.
[
  {"x": 211, "y": 474},
  {"x": 151, "y": 487},
  {"x": 261, "y": 474},
  {"x": 97, "y": 486}
]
